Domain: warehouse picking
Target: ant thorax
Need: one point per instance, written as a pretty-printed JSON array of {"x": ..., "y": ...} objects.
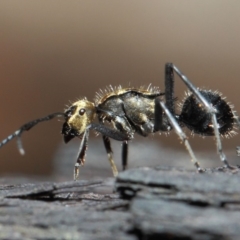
[{"x": 128, "y": 109}]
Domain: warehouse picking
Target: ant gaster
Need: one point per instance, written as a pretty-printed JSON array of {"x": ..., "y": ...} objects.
[{"x": 144, "y": 111}]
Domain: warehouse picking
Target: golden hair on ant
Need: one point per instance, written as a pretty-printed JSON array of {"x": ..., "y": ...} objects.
[{"x": 143, "y": 111}]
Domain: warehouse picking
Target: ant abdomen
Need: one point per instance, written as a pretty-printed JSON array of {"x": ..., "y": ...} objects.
[{"x": 194, "y": 116}]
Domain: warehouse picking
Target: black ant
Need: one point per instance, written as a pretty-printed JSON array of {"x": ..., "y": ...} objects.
[{"x": 144, "y": 111}]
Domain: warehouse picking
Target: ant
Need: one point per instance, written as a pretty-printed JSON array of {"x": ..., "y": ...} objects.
[{"x": 143, "y": 111}]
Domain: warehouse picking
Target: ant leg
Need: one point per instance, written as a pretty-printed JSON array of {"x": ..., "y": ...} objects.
[
  {"x": 108, "y": 148},
  {"x": 219, "y": 143},
  {"x": 114, "y": 134},
  {"x": 169, "y": 110},
  {"x": 123, "y": 135},
  {"x": 27, "y": 127},
  {"x": 124, "y": 155},
  {"x": 237, "y": 121},
  {"x": 160, "y": 123},
  {"x": 209, "y": 108},
  {"x": 169, "y": 88},
  {"x": 107, "y": 132},
  {"x": 179, "y": 132},
  {"x": 111, "y": 133},
  {"x": 81, "y": 155}
]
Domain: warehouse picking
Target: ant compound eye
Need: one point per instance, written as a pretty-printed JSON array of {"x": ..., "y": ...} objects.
[{"x": 82, "y": 111}]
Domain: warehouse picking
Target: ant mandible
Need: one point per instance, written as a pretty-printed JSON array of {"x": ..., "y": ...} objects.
[{"x": 143, "y": 111}]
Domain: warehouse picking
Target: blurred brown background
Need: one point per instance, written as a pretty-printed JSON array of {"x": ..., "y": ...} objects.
[{"x": 55, "y": 51}]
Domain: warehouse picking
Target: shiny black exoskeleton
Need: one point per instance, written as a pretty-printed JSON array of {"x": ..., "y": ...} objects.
[{"x": 194, "y": 116}]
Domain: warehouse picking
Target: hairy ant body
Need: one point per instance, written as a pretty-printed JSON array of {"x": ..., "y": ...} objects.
[{"x": 144, "y": 111}]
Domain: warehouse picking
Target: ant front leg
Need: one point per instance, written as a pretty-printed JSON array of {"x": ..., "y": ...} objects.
[{"x": 81, "y": 155}]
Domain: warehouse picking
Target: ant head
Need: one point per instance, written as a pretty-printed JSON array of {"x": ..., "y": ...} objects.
[{"x": 77, "y": 118}]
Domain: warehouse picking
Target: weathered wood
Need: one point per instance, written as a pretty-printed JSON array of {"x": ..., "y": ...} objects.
[
  {"x": 70, "y": 210},
  {"x": 171, "y": 203},
  {"x": 148, "y": 204}
]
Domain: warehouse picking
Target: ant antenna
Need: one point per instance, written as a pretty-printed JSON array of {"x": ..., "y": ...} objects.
[{"x": 27, "y": 127}]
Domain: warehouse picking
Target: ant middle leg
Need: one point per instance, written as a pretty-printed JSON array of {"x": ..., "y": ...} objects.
[
  {"x": 108, "y": 133},
  {"x": 124, "y": 155},
  {"x": 108, "y": 148}
]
